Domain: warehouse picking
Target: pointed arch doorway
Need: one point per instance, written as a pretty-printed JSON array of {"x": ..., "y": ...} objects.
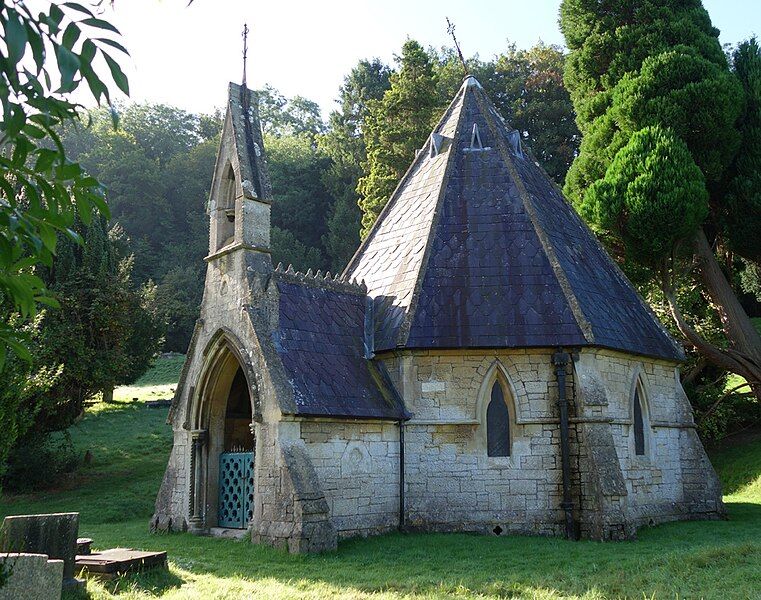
[{"x": 223, "y": 443}]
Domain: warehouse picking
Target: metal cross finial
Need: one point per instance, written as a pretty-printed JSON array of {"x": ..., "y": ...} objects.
[
  {"x": 450, "y": 31},
  {"x": 245, "y": 51}
]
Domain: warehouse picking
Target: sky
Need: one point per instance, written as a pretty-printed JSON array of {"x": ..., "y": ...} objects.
[{"x": 185, "y": 55}]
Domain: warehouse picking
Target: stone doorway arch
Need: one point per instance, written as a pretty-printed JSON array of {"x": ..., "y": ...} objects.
[{"x": 222, "y": 418}]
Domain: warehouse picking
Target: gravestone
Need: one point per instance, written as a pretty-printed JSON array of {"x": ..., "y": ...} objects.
[
  {"x": 31, "y": 577},
  {"x": 52, "y": 534}
]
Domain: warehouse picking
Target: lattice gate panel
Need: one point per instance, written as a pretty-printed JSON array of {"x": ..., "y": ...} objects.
[{"x": 236, "y": 489}]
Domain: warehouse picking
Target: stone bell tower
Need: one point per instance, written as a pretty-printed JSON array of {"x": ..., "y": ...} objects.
[{"x": 241, "y": 195}]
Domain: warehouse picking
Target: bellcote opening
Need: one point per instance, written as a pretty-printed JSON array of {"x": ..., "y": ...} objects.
[{"x": 225, "y": 213}]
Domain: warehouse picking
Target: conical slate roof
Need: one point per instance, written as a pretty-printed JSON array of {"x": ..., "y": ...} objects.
[{"x": 477, "y": 248}]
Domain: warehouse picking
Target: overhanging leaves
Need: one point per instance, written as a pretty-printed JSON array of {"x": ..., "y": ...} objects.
[{"x": 42, "y": 190}]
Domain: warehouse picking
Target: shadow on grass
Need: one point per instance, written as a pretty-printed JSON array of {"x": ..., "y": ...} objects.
[
  {"x": 689, "y": 559},
  {"x": 153, "y": 582},
  {"x": 738, "y": 465},
  {"x": 129, "y": 446}
]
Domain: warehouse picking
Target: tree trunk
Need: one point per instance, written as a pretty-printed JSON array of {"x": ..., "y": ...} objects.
[
  {"x": 108, "y": 395},
  {"x": 742, "y": 335},
  {"x": 692, "y": 376},
  {"x": 744, "y": 353}
]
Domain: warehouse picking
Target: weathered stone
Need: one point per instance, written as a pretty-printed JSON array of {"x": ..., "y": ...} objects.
[
  {"x": 31, "y": 577},
  {"x": 54, "y": 535},
  {"x": 329, "y": 400}
]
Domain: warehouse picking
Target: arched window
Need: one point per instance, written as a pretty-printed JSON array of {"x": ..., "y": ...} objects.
[
  {"x": 639, "y": 421},
  {"x": 225, "y": 212},
  {"x": 497, "y": 423}
]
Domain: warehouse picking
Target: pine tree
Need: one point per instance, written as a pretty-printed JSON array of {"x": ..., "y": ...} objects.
[
  {"x": 397, "y": 125},
  {"x": 659, "y": 109},
  {"x": 743, "y": 210},
  {"x": 344, "y": 143}
]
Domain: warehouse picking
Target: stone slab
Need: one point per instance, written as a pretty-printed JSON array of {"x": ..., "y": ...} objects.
[
  {"x": 52, "y": 534},
  {"x": 118, "y": 561}
]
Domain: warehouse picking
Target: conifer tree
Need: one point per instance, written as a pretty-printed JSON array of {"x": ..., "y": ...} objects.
[
  {"x": 397, "y": 125},
  {"x": 344, "y": 143},
  {"x": 743, "y": 211},
  {"x": 106, "y": 332},
  {"x": 660, "y": 113}
]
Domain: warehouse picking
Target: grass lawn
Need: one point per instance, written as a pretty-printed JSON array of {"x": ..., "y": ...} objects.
[
  {"x": 130, "y": 443},
  {"x": 158, "y": 383}
]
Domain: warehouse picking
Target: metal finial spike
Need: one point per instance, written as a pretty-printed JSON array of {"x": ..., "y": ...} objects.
[
  {"x": 290, "y": 269},
  {"x": 450, "y": 31},
  {"x": 318, "y": 275},
  {"x": 279, "y": 267},
  {"x": 309, "y": 273},
  {"x": 328, "y": 275},
  {"x": 245, "y": 51}
]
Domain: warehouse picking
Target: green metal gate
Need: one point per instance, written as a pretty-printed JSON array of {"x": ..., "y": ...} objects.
[{"x": 236, "y": 489}]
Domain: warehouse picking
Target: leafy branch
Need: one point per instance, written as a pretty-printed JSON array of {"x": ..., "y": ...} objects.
[{"x": 44, "y": 58}]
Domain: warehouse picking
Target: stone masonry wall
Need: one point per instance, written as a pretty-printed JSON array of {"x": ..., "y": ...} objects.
[
  {"x": 173, "y": 498},
  {"x": 656, "y": 481},
  {"x": 226, "y": 294},
  {"x": 358, "y": 467},
  {"x": 451, "y": 483},
  {"x": 290, "y": 509}
]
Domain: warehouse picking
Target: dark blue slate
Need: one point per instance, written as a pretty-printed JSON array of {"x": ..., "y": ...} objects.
[
  {"x": 508, "y": 263},
  {"x": 320, "y": 341}
]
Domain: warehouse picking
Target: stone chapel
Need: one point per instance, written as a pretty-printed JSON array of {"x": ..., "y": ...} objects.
[{"x": 480, "y": 365}]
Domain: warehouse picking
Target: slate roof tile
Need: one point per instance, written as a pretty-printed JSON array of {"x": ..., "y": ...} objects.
[
  {"x": 320, "y": 341},
  {"x": 478, "y": 248}
]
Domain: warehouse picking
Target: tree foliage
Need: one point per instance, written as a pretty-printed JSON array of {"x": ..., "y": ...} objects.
[
  {"x": 742, "y": 216},
  {"x": 156, "y": 187},
  {"x": 344, "y": 144},
  {"x": 395, "y": 127},
  {"x": 45, "y": 57},
  {"x": 526, "y": 86},
  {"x": 24, "y": 387},
  {"x": 533, "y": 99},
  {"x": 106, "y": 332},
  {"x": 281, "y": 116},
  {"x": 301, "y": 200},
  {"x": 663, "y": 116},
  {"x": 653, "y": 195}
]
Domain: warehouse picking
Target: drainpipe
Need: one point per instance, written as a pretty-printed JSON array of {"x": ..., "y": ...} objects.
[
  {"x": 401, "y": 476},
  {"x": 560, "y": 360}
]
